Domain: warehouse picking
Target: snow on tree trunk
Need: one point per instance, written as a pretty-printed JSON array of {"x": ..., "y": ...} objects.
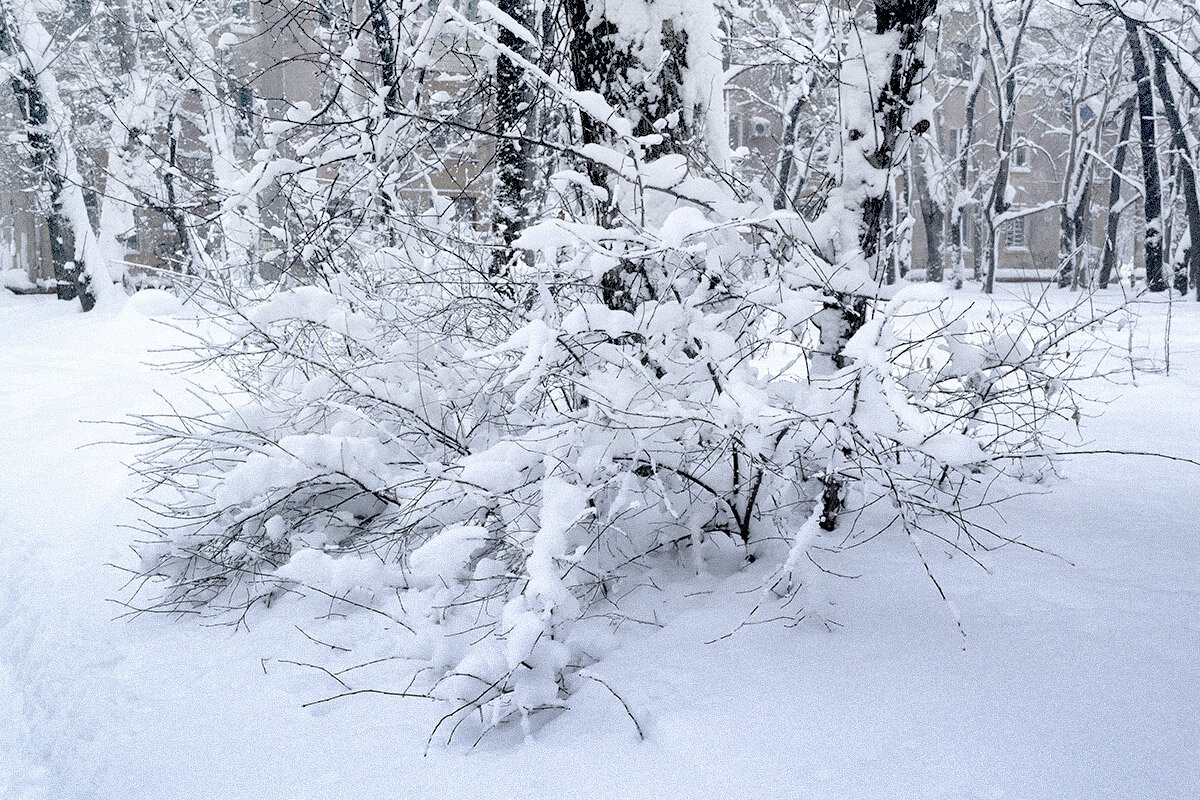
[
  {"x": 962, "y": 199},
  {"x": 1077, "y": 178},
  {"x": 659, "y": 66},
  {"x": 1003, "y": 66},
  {"x": 926, "y": 180}
]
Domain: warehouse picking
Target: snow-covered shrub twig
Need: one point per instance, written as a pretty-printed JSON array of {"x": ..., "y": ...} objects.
[{"x": 496, "y": 495}]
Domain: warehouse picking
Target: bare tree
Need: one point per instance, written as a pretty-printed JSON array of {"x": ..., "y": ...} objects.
[
  {"x": 1002, "y": 56},
  {"x": 78, "y": 265}
]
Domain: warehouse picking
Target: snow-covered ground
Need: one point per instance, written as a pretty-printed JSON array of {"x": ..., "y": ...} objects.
[{"x": 1080, "y": 675}]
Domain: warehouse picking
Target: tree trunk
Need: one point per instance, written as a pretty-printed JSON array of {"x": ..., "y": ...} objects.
[
  {"x": 1187, "y": 171},
  {"x": 845, "y": 314},
  {"x": 599, "y": 65},
  {"x": 514, "y": 109},
  {"x": 787, "y": 155},
  {"x": 1007, "y": 113},
  {"x": 1068, "y": 241},
  {"x": 385, "y": 43},
  {"x": 1079, "y": 233},
  {"x": 594, "y": 65},
  {"x": 1152, "y": 194},
  {"x": 1109, "y": 260},
  {"x": 173, "y": 210}
]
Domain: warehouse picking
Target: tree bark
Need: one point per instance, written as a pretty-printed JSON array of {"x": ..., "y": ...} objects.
[
  {"x": 964, "y": 165},
  {"x": 1007, "y": 90},
  {"x": 598, "y": 65},
  {"x": 385, "y": 43},
  {"x": 1187, "y": 171},
  {"x": 1109, "y": 260},
  {"x": 514, "y": 108},
  {"x": 1152, "y": 194},
  {"x": 787, "y": 156}
]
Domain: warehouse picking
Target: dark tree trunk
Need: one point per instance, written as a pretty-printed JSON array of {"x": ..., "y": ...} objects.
[
  {"x": 1066, "y": 240},
  {"x": 907, "y": 18},
  {"x": 1152, "y": 194},
  {"x": 1109, "y": 261},
  {"x": 385, "y": 44},
  {"x": 183, "y": 250},
  {"x": 384, "y": 35},
  {"x": 598, "y": 65},
  {"x": 514, "y": 109},
  {"x": 118, "y": 30},
  {"x": 957, "y": 221},
  {"x": 1072, "y": 226},
  {"x": 1079, "y": 230},
  {"x": 1187, "y": 171},
  {"x": 1073, "y": 210}
]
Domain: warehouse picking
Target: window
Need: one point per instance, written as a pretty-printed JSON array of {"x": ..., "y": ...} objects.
[
  {"x": 132, "y": 241},
  {"x": 242, "y": 10},
  {"x": 464, "y": 207},
  {"x": 1016, "y": 234},
  {"x": 243, "y": 100},
  {"x": 468, "y": 8},
  {"x": 1086, "y": 112},
  {"x": 952, "y": 137},
  {"x": 736, "y": 125},
  {"x": 1020, "y": 153},
  {"x": 959, "y": 65}
]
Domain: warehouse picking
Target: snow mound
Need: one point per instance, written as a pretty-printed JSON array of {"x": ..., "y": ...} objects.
[
  {"x": 16, "y": 279},
  {"x": 155, "y": 303}
]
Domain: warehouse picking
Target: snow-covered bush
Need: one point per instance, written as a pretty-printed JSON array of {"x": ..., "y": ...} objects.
[
  {"x": 517, "y": 484},
  {"x": 496, "y": 460}
]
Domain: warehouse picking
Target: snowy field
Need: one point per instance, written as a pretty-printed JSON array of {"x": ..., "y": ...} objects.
[{"x": 1079, "y": 676}]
